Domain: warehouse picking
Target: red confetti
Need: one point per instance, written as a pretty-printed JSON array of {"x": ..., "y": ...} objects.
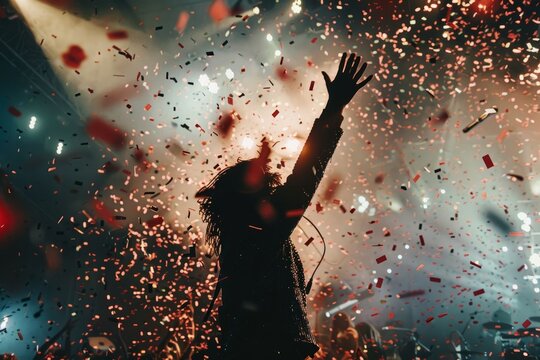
[
  {"x": 20, "y": 335},
  {"x": 219, "y": 10},
  {"x": 478, "y": 292},
  {"x": 155, "y": 221},
  {"x": 487, "y": 161},
  {"x": 14, "y": 111},
  {"x": 435, "y": 279},
  {"x": 416, "y": 177},
  {"x": 147, "y": 107},
  {"x": 117, "y": 35},
  {"x": 275, "y": 113},
  {"x": 411, "y": 293},
  {"x": 182, "y": 21},
  {"x": 311, "y": 85},
  {"x": 526, "y": 323},
  {"x": 309, "y": 241},
  {"x": 381, "y": 259},
  {"x": 475, "y": 264},
  {"x": 379, "y": 282},
  {"x": 429, "y": 319},
  {"x": 106, "y": 133},
  {"x": 74, "y": 56},
  {"x": 521, "y": 268},
  {"x": 422, "y": 242},
  {"x": 103, "y": 213},
  {"x": 294, "y": 213},
  {"x": 225, "y": 124}
]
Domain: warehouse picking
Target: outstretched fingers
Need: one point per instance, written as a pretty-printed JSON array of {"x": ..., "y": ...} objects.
[
  {"x": 360, "y": 72},
  {"x": 350, "y": 61},
  {"x": 342, "y": 62},
  {"x": 363, "y": 83},
  {"x": 355, "y": 64}
]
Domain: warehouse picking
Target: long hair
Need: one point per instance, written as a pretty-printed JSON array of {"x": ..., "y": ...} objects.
[{"x": 231, "y": 191}]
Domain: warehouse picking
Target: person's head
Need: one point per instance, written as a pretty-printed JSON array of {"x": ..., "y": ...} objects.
[
  {"x": 341, "y": 322},
  {"x": 234, "y": 195}
]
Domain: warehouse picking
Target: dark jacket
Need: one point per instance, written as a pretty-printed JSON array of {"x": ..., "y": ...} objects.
[{"x": 262, "y": 278}]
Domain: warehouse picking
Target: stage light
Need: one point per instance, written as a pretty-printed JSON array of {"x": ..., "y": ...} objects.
[
  {"x": 514, "y": 287},
  {"x": 292, "y": 145},
  {"x": 204, "y": 80},
  {"x": 269, "y": 37},
  {"x": 504, "y": 249},
  {"x": 534, "y": 259},
  {"x": 277, "y": 52},
  {"x": 32, "y": 124},
  {"x": 256, "y": 10},
  {"x": 407, "y": 246},
  {"x": 363, "y": 204},
  {"x": 425, "y": 201},
  {"x": 213, "y": 87},
  {"x": 400, "y": 257},
  {"x": 296, "y": 6},
  {"x": 59, "y": 148},
  {"x": 248, "y": 143},
  {"x": 389, "y": 271}
]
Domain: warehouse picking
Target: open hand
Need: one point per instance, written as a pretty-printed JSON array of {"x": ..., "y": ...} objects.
[{"x": 345, "y": 85}]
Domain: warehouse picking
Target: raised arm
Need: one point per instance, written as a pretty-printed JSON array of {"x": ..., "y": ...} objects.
[{"x": 294, "y": 196}]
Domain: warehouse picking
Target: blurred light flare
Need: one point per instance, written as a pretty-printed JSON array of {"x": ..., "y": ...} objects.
[{"x": 32, "y": 124}]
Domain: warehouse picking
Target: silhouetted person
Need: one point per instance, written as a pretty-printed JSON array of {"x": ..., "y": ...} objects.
[
  {"x": 369, "y": 341},
  {"x": 250, "y": 217},
  {"x": 344, "y": 337}
]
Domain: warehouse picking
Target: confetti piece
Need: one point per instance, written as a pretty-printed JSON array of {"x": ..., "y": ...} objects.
[
  {"x": 478, "y": 292},
  {"x": 412, "y": 293},
  {"x": 526, "y": 323},
  {"x": 14, "y": 111},
  {"x": 416, "y": 178},
  {"x": 73, "y": 57},
  {"x": 106, "y": 133},
  {"x": 275, "y": 113},
  {"x": 156, "y": 221},
  {"x": 218, "y": 10},
  {"x": 225, "y": 124},
  {"x": 309, "y": 241},
  {"x": 379, "y": 283},
  {"x": 117, "y": 35},
  {"x": 381, "y": 259},
  {"x": 435, "y": 279},
  {"x": 182, "y": 21},
  {"x": 475, "y": 264},
  {"x": 487, "y": 161}
]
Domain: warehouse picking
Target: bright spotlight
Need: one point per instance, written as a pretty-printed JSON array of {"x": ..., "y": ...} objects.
[
  {"x": 32, "y": 124},
  {"x": 296, "y": 6},
  {"x": 204, "y": 80},
  {"x": 363, "y": 204},
  {"x": 248, "y": 143},
  {"x": 534, "y": 259},
  {"x": 292, "y": 145},
  {"x": 213, "y": 87}
]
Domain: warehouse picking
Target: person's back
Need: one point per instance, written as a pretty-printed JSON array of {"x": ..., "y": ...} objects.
[{"x": 250, "y": 217}]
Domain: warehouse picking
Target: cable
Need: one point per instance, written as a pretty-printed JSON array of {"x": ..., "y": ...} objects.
[{"x": 310, "y": 282}]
